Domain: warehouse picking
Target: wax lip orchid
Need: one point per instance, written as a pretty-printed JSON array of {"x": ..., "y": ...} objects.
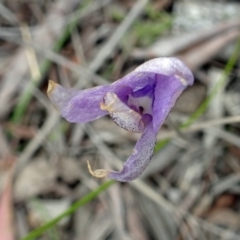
[{"x": 139, "y": 102}]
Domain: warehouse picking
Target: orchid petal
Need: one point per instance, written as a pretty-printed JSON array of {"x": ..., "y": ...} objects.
[
  {"x": 145, "y": 74},
  {"x": 136, "y": 163},
  {"x": 77, "y": 106},
  {"x": 140, "y": 158},
  {"x": 167, "y": 91},
  {"x": 84, "y": 105},
  {"x": 167, "y": 66}
]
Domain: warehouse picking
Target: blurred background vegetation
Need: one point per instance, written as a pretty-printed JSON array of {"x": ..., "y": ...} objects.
[{"x": 191, "y": 189}]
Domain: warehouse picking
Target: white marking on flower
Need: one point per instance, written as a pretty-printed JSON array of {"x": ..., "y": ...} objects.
[
  {"x": 122, "y": 115},
  {"x": 182, "y": 80},
  {"x": 145, "y": 102},
  {"x": 134, "y": 151}
]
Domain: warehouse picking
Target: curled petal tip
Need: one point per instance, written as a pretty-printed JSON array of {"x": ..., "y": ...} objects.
[
  {"x": 110, "y": 102},
  {"x": 104, "y": 107},
  {"x": 183, "y": 81},
  {"x": 98, "y": 173},
  {"x": 51, "y": 86}
]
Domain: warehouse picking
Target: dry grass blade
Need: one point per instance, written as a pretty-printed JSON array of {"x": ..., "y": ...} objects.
[
  {"x": 37, "y": 140},
  {"x": 5, "y": 150},
  {"x": 111, "y": 44},
  {"x": 6, "y": 209},
  {"x": 18, "y": 69},
  {"x": 190, "y": 190},
  {"x": 153, "y": 195},
  {"x": 208, "y": 49},
  {"x": 201, "y": 126},
  {"x": 8, "y": 15},
  {"x": 194, "y": 48},
  {"x": 172, "y": 45}
]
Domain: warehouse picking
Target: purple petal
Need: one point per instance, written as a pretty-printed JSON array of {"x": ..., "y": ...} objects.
[
  {"x": 167, "y": 66},
  {"x": 84, "y": 105},
  {"x": 146, "y": 91},
  {"x": 77, "y": 106},
  {"x": 136, "y": 80},
  {"x": 144, "y": 76},
  {"x": 167, "y": 90},
  {"x": 139, "y": 159}
]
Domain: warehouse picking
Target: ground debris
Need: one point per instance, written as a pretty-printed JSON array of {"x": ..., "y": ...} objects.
[{"x": 191, "y": 188}]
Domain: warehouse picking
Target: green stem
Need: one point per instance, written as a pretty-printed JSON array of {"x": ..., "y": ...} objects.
[{"x": 74, "y": 207}]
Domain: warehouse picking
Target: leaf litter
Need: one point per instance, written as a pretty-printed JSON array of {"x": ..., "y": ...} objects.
[{"x": 198, "y": 172}]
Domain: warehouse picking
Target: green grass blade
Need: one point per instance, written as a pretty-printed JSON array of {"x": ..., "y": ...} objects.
[
  {"x": 38, "y": 206},
  {"x": 228, "y": 68},
  {"x": 27, "y": 93},
  {"x": 43, "y": 69},
  {"x": 73, "y": 208}
]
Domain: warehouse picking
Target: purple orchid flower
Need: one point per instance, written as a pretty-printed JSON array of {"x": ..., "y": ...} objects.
[{"x": 139, "y": 102}]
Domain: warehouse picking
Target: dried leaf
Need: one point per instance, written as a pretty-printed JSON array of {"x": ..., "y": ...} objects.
[{"x": 6, "y": 227}]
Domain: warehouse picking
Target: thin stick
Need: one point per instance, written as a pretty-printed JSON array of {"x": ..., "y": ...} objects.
[{"x": 200, "y": 126}]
